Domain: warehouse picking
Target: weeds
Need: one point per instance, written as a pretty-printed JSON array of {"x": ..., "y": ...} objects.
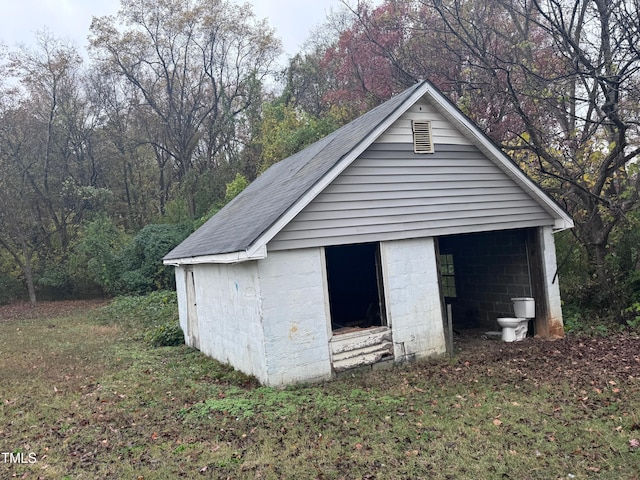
[
  {"x": 153, "y": 317},
  {"x": 633, "y": 316},
  {"x": 167, "y": 335},
  {"x": 134, "y": 311}
]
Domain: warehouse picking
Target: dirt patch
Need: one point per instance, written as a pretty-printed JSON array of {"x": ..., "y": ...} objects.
[{"x": 23, "y": 310}]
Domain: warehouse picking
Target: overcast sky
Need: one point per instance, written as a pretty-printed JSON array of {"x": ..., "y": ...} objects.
[{"x": 20, "y": 19}]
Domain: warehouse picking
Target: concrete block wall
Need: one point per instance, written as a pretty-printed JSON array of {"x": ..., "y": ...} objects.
[
  {"x": 229, "y": 315},
  {"x": 295, "y": 316},
  {"x": 413, "y": 298},
  {"x": 490, "y": 269}
]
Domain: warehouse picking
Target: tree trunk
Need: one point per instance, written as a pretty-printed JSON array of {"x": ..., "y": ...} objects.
[
  {"x": 28, "y": 274},
  {"x": 602, "y": 285},
  {"x": 597, "y": 268}
]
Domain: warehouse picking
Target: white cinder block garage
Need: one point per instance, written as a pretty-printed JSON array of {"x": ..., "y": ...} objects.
[{"x": 347, "y": 253}]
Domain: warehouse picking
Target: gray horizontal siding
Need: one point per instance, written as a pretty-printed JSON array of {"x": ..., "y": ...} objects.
[
  {"x": 391, "y": 193},
  {"x": 352, "y": 236},
  {"x": 372, "y": 225},
  {"x": 442, "y": 130},
  {"x": 416, "y": 212}
]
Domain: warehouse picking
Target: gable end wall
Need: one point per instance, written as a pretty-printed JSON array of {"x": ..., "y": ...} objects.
[
  {"x": 392, "y": 193},
  {"x": 442, "y": 130}
]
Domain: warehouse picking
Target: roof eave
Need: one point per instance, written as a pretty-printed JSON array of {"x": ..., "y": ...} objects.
[
  {"x": 562, "y": 224},
  {"x": 258, "y": 253}
]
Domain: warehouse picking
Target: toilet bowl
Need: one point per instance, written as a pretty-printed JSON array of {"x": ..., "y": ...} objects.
[{"x": 513, "y": 328}]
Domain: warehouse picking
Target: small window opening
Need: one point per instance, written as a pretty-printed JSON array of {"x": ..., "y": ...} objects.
[
  {"x": 356, "y": 296},
  {"x": 422, "y": 138},
  {"x": 447, "y": 276}
]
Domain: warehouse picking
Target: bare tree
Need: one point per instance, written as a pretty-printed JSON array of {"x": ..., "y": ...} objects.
[
  {"x": 567, "y": 74},
  {"x": 49, "y": 176},
  {"x": 197, "y": 65},
  {"x": 21, "y": 232},
  {"x": 131, "y": 171}
]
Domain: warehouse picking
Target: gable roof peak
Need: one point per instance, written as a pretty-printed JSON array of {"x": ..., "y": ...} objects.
[{"x": 241, "y": 230}]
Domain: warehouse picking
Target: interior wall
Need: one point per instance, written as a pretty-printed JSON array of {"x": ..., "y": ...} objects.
[{"x": 491, "y": 268}]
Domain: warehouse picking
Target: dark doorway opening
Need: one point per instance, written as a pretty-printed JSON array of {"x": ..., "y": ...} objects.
[{"x": 356, "y": 295}]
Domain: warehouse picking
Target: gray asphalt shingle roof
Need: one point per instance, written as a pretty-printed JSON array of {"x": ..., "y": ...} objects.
[{"x": 243, "y": 220}]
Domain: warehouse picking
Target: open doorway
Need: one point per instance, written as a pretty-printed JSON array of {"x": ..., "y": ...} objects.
[
  {"x": 356, "y": 295},
  {"x": 192, "y": 309},
  {"x": 481, "y": 272}
]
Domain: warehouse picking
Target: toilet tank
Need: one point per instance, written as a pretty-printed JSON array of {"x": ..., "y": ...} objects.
[{"x": 524, "y": 307}]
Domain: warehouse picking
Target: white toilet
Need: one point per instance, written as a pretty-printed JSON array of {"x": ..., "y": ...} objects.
[{"x": 515, "y": 328}]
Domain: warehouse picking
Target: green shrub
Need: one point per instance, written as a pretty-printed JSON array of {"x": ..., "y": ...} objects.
[
  {"x": 154, "y": 317},
  {"x": 101, "y": 248},
  {"x": 572, "y": 319},
  {"x": 148, "y": 311},
  {"x": 597, "y": 303},
  {"x": 167, "y": 335},
  {"x": 237, "y": 185},
  {"x": 10, "y": 288},
  {"x": 632, "y": 315},
  {"x": 121, "y": 264},
  {"x": 142, "y": 258}
]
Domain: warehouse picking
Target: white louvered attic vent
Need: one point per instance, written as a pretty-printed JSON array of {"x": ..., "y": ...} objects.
[{"x": 422, "y": 139}]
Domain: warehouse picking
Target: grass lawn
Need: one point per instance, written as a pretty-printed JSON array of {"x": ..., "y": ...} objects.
[{"x": 84, "y": 400}]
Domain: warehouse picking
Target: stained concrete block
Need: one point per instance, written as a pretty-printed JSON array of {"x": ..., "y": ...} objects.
[
  {"x": 413, "y": 299},
  {"x": 552, "y": 284},
  {"x": 295, "y": 316}
]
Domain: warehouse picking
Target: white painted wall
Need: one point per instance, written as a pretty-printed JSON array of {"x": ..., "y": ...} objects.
[
  {"x": 413, "y": 298},
  {"x": 229, "y": 315},
  {"x": 295, "y": 316},
  {"x": 270, "y": 318},
  {"x": 552, "y": 283}
]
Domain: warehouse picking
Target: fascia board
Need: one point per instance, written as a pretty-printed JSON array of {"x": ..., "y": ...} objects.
[{"x": 226, "y": 258}]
